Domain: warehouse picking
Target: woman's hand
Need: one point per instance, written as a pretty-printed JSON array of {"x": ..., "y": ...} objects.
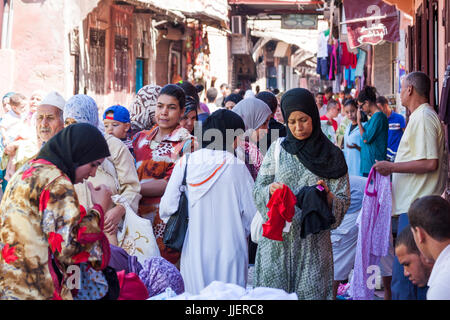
[
  {"x": 274, "y": 186},
  {"x": 330, "y": 195},
  {"x": 113, "y": 218},
  {"x": 358, "y": 115},
  {"x": 101, "y": 196}
]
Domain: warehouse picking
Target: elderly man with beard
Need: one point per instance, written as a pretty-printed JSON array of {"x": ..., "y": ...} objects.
[
  {"x": 49, "y": 121},
  {"x": 49, "y": 117}
]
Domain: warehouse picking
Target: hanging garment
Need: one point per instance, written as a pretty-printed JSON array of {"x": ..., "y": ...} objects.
[
  {"x": 359, "y": 72},
  {"x": 331, "y": 63},
  {"x": 281, "y": 210},
  {"x": 322, "y": 68},
  {"x": 322, "y": 49},
  {"x": 373, "y": 236},
  {"x": 444, "y": 106}
]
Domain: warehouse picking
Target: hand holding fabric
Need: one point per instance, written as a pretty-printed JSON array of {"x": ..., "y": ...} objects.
[{"x": 275, "y": 186}]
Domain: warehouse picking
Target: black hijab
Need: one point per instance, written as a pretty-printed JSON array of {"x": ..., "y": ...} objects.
[
  {"x": 74, "y": 146},
  {"x": 317, "y": 153},
  {"x": 221, "y": 120},
  {"x": 232, "y": 97}
]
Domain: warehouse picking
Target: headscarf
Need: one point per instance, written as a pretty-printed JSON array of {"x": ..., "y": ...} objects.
[
  {"x": 142, "y": 110},
  {"x": 191, "y": 105},
  {"x": 189, "y": 90},
  {"x": 317, "y": 153},
  {"x": 158, "y": 274},
  {"x": 253, "y": 111},
  {"x": 74, "y": 146},
  {"x": 232, "y": 97},
  {"x": 269, "y": 98},
  {"x": 248, "y": 94},
  {"x": 221, "y": 120},
  {"x": 83, "y": 109}
]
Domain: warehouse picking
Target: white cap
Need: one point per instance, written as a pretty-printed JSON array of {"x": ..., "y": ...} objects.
[{"x": 54, "y": 99}]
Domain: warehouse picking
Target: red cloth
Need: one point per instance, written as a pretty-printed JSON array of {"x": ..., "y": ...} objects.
[
  {"x": 345, "y": 57},
  {"x": 281, "y": 209},
  {"x": 131, "y": 287},
  {"x": 334, "y": 122}
]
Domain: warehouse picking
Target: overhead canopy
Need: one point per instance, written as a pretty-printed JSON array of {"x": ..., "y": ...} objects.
[
  {"x": 255, "y": 7},
  {"x": 212, "y": 12},
  {"x": 281, "y": 49},
  {"x": 406, "y": 6}
]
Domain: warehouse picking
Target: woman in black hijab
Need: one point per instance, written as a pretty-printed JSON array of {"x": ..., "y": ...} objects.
[
  {"x": 42, "y": 221},
  {"x": 231, "y": 100},
  {"x": 69, "y": 149},
  {"x": 228, "y": 123},
  {"x": 304, "y": 159}
]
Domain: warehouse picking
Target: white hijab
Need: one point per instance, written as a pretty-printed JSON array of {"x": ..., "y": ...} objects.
[{"x": 253, "y": 111}]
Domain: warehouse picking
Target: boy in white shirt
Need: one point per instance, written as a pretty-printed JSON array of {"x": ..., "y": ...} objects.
[{"x": 430, "y": 223}]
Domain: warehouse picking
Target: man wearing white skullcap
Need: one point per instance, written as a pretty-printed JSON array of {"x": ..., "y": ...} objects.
[{"x": 49, "y": 117}]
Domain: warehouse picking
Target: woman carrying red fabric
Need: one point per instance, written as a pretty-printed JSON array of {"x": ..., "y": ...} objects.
[{"x": 156, "y": 151}]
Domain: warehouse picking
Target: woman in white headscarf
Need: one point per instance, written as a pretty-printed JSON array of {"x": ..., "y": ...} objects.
[
  {"x": 249, "y": 94},
  {"x": 256, "y": 115},
  {"x": 119, "y": 174}
]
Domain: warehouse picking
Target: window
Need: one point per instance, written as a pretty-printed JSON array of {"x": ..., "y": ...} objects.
[
  {"x": 120, "y": 63},
  {"x": 96, "y": 60}
]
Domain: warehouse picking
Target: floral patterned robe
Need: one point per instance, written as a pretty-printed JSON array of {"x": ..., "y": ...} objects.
[
  {"x": 303, "y": 266},
  {"x": 40, "y": 221}
]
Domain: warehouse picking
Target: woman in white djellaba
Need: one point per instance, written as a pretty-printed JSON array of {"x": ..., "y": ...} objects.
[{"x": 221, "y": 208}]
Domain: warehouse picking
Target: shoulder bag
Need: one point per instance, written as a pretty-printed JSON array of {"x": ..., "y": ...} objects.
[{"x": 176, "y": 227}]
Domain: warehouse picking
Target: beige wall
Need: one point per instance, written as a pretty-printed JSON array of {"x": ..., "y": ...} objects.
[
  {"x": 36, "y": 57},
  {"x": 218, "y": 57}
]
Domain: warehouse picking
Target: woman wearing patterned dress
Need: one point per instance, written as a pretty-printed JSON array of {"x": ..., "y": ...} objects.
[
  {"x": 156, "y": 151},
  {"x": 307, "y": 158},
  {"x": 43, "y": 230}
]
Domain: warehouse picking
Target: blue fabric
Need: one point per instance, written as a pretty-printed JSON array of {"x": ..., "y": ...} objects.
[
  {"x": 375, "y": 145},
  {"x": 202, "y": 116},
  {"x": 322, "y": 68},
  {"x": 401, "y": 287},
  {"x": 352, "y": 156},
  {"x": 396, "y": 123},
  {"x": 359, "y": 71}
]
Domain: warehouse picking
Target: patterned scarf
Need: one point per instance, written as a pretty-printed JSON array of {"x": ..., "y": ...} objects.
[
  {"x": 83, "y": 109},
  {"x": 143, "y": 108}
]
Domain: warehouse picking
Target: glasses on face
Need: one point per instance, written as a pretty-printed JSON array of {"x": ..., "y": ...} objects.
[{"x": 361, "y": 104}]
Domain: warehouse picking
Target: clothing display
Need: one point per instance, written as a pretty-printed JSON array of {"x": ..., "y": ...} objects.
[{"x": 374, "y": 233}]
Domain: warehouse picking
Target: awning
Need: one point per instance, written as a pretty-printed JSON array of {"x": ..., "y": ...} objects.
[
  {"x": 281, "y": 49},
  {"x": 406, "y": 6},
  {"x": 211, "y": 12},
  {"x": 157, "y": 8}
]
